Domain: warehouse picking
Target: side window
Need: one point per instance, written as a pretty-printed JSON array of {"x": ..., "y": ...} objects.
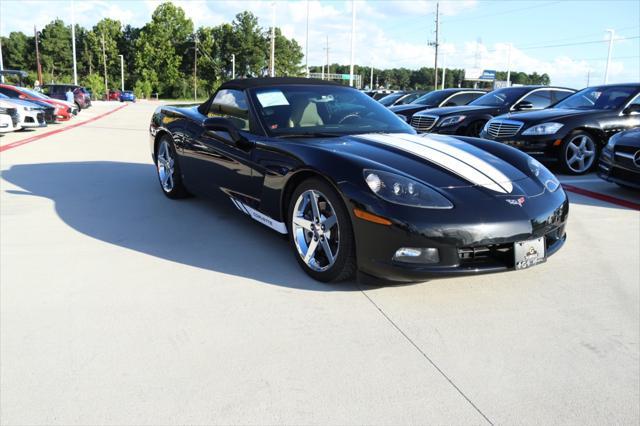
[
  {"x": 539, "y": 99},
  {"x": 232, "y": 105},
  {"x": 461, "y": 99},
  {"x": 558, "y": 95}
]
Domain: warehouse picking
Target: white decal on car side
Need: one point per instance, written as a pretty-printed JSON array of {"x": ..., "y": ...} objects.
[
  {"x": 259, "y": 217},
  {"x": 476, "y": 171}
]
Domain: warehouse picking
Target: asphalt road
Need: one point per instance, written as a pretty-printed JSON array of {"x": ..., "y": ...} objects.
[{"x": 119, "y": 306}]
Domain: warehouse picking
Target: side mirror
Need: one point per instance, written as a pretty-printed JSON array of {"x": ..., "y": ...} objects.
[
  {"x": 631, "y": 109},
  {"x": 522, "y": 105},
  {"x": 218, "y": 124}
]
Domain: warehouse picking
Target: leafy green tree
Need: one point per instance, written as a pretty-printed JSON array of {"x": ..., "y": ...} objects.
[
  {"x": 249, "y": 45},
  {"x": 17, "y": 51},
  {"x": 161, "y": 46},
  {"x": 288, "y": 55},
  {"x": 95, "y": 83},
  {"x": 55, "y": 51}
]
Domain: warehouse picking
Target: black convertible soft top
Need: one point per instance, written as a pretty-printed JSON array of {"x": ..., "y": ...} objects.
[{"x": 247, "y": 83}]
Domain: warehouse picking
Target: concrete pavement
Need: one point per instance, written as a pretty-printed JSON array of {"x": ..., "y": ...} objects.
[{"x": 119, "y": 306}]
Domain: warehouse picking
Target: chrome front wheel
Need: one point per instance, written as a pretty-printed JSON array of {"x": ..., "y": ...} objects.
[
  {"x": 579, "y": 153},
  {"x": 165, "y": 164},
  {"x": 316, "y": 231}
]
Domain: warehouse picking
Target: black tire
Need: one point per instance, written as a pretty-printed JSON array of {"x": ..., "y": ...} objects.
[
  {"x": 177, "y": 189},
  {"x": 344, "y": 266},
  {"x": 78, "y": 106},
  {"x": 475, "y": 128},
  {"x": 566, "y": 153}
]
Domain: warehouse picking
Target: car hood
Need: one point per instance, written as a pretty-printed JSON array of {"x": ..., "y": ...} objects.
[
  {"x": 441, "y": 161},
  {"x": 409, "y": 108},
  {"x": 460, "y": 110},
  {"x": 550, "y": 114},
  {"x": 22, "y": 103}
]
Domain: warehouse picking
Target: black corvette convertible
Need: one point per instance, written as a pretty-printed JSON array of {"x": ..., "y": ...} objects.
[{"x": 354, "y": 187}]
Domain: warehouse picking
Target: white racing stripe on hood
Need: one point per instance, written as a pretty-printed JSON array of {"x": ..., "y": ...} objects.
[{"x": 459, "y": 162}]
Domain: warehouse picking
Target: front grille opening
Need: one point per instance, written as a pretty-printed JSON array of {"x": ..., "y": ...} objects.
[
  {"x": 491, "y": 254},
  {"x": 502, "y": 129},
  {"x": 422, "y": 123}
]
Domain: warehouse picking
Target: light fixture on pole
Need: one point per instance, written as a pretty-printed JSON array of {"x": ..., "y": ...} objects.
[
  {"x": 233, "y": 66},
  {"x": 121, "y": 72}
]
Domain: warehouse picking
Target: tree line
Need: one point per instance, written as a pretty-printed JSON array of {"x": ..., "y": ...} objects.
[{"x": 161, "y": 56}]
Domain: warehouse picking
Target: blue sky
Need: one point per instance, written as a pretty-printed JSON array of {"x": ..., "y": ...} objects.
[{"x": 565, "y": 39}]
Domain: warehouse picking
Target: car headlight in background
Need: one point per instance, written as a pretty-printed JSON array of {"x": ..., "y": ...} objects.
[
  {"x": 543, "y": 129},
  {"x": 485, "y": 129},
  {"x": 612, "y": 141},
  {"x": 543, "y": 174},
  {"x": 450, "y": 121},
  {"x": 401, "y": 190}
]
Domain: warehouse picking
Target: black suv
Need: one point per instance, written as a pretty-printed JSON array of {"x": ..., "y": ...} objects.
[
  {"x": 470, "y": 119},
  {"x": 573, "y": 131},
  {"x": 437, "y": 98}
]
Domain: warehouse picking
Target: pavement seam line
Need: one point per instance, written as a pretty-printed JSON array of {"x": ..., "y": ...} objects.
[{"x": 425, "y": 356}]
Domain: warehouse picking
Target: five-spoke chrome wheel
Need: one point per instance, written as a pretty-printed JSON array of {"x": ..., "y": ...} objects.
[
  {"x": 580, "y": 153},
  {"x": 316, "y": 231},
  {"x": 165, "y": 163}
]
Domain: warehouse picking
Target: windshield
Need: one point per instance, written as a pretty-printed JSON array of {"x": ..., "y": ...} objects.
[
  {"x": 608, "y": 97},
  {"x": 33, "y": 93},
  {"x": 432, "y": 98},
  {"x": 319, "y": 110},
  {"x": 390, "y": 99},
  {"x": 501, "y": 97}
]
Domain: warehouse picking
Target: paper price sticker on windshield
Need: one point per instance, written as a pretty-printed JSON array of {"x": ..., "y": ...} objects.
[{"x": 272, "y": 98}]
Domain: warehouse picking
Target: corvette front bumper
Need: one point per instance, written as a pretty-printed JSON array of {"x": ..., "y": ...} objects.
[{"x": 469, "y": 240}]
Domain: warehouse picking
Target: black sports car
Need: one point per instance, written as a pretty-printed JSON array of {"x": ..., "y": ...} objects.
[
  {"x": 470, "y": 119},
  {"x": 435, "y": 99},
  {"x": 620, "y": 159},
  {"x": 354, "y": 187},
  {"x": 573, "y": 131}
]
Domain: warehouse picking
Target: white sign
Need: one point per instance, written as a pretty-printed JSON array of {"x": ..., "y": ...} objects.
[{"x": 272, "y": 98}]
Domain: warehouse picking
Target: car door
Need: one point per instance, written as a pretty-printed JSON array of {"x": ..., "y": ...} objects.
[{"x": 212, "y": 160}]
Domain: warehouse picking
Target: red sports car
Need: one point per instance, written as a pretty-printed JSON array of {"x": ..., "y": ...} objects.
[{"x": 62, "y": 112}]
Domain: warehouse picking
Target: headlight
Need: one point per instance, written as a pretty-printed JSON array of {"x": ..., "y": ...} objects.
[
  {"x": 3, "y": 110},
  {"x": 403, "y": 118},
  {"x": 401, "y": 190},
  {"x": 543, "y": 129},
  {"x": 485, "y": 129},
  {"x": 450, "y": 121},
  {"x": 543, "y": 174},
  {"x": 612, "y": 141}
]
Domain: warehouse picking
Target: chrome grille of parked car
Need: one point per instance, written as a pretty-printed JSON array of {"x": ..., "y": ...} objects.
[
  {"x": 422, "y": 123},
  {"x": 504, "y": 128}
]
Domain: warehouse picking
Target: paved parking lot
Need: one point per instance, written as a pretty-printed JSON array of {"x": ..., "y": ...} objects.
[{"x": 119, "y": 306}]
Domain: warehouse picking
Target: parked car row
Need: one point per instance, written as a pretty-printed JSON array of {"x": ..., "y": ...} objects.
[
  {"x": 122, "y": 96},
  {"x": 23, "y": 108},
  {"x": 553, "y": 124}
]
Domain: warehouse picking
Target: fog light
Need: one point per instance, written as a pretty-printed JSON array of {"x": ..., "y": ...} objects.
[{"x": 417, "y": 255}]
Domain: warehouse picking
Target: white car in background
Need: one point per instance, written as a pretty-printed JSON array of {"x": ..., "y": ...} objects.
[
  {"x": 30, "y": 115},
  {"x": 9, "y": 118}
]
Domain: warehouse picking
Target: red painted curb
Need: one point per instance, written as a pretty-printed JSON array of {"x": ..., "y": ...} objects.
[
  {"x": 602, "y": 197},
  {"x": 53, "y": 132}
]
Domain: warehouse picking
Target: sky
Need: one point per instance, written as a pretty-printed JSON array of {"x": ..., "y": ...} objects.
[{"x": 566, "y": 39}]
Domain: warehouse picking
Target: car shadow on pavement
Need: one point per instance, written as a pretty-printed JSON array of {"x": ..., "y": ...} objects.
[{"x": 122, "y": 204}]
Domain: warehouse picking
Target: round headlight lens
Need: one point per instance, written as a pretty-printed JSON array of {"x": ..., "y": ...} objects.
[
  {"x": 401, "y": 190},
  {"x": 543, "y": 175},
  {"x": 543, "y": 129}
]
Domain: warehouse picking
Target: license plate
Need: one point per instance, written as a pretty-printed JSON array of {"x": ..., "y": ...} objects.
[{"x": 529, "y": 253}]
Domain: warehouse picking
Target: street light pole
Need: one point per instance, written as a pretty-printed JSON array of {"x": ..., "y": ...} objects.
[
  {"x": 273, "y": 41},
  {"x": 353, "y": 37},
  {"x": 73, "y": 42},
  {"x": 233, "y": 66},
  {"x": 121, "y": 72},
  {"x": 606, "y": 70},
  {"x": 306, "y": 45}
]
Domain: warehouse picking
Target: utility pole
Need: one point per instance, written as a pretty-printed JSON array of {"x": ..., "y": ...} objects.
[
  {"x": 444, "y": 69},
  {"x": 272, "y": 65},
  {"x": 306, "y": 45},
  {"x": 435, "y": 74},
  {"x": 195, "y": 69},
  {"x": 233, "y": 66},
  {"x": 327, "y": 49},
  {"x": 73, "y": 42},
  {"x": 1, "y": 64},
  {"x": 509, "y": 66},
  {"x": 588, "y": 76},
  {"x": 606, "y": 70},
  {"x": 104, "y": 61},
  {"x": 353, "y": 38},
  {"x": 371, "y": 79},
  {"x": 38, "y": 56},
  {"x": 121, "y": 72}
]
